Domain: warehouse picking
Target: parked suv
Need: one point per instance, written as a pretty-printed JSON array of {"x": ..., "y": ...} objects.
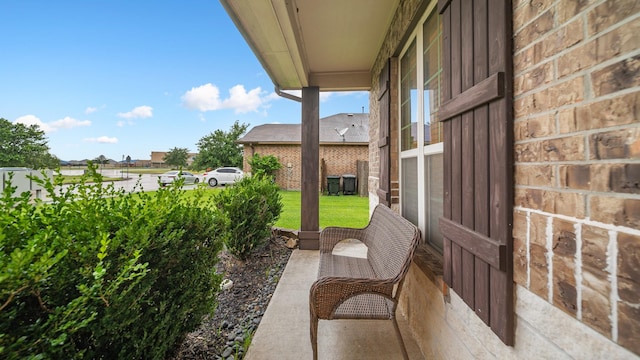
[{"x": 223, "y": 176}]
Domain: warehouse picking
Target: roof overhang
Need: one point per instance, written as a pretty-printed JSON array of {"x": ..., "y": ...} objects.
[{"x": 331, "y": 44}]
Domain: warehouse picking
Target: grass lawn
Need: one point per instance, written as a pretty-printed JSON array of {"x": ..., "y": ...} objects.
[{"x": 349, "y": 211}]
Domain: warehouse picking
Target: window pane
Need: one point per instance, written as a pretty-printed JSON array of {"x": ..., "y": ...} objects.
[
  {"x": 408, "y": 99},
  {"x": 431, "y": 57},
  {"x": 434, "y": 199},
  {"x": 410, "y": 189}
]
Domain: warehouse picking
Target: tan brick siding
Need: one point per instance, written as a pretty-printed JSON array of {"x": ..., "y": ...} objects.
[
  {"x": 577, "y": 153},
  {"x": 338, "y": 159}
]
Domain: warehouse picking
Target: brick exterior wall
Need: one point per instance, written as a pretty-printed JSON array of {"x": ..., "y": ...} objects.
[
  {"x": 577, "y": 199},
  {"x": 338, "y": 159},
  {"x": 400, "y": 24},
  {"x": 577, "y": 146}
]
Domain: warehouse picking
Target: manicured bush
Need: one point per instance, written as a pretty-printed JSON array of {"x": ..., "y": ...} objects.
[
  {"x": 264, "y": 165},
  {"x": 100, "y": 273},
  {"x": 250, "y": 207}
]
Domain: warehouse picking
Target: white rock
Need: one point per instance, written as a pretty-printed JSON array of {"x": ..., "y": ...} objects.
[{"x": 226, "y": 284}]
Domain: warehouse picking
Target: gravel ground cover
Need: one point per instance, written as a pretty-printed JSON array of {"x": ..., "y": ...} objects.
[{"x": 228, "y": 333}]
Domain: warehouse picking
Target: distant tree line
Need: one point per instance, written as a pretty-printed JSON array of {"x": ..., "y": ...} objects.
[{"x": 24, "y": 146}]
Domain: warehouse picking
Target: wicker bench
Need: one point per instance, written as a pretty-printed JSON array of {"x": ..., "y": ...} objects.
[{"x": 363, "y": 288}]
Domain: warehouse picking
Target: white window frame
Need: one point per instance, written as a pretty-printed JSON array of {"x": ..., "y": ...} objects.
[{"x": 421, "y": 150}]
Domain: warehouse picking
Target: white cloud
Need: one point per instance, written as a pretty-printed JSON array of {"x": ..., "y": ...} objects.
[
  {"x": 138, "y": 112},
  {"x": 324, "y": 96},
  {"x": 102, "y": 140},
  {"x": 121, "y": 123},
  {"x": 65, "y": 123},
  {"x": 242, "y": 101},
  {"x": 34, "y": 120},
  {"x": 207, "y": 98},
  {"x": 92, "y": 109},
  {"x": 69, "y": 123},
  {"x": 203, "y": 98}
]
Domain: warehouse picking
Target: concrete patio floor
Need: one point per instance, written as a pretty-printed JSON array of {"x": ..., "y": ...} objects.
[{"x": 283, "y": 332}]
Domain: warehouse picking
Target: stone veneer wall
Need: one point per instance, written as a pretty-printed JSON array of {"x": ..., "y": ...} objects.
[
  {"x": 339, "y": 160},
  {"x": 577, "y": 210}
]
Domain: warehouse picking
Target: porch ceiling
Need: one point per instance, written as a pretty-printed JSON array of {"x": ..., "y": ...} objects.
[{"x": 331, "y": 44}]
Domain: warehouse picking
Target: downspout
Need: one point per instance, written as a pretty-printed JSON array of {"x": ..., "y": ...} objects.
[
  {"x": 286, "y": 95},
  {"x": 294, "y": 98}
]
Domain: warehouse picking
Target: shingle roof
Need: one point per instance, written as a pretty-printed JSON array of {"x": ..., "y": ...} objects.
[{"x": 356, "y": 125}]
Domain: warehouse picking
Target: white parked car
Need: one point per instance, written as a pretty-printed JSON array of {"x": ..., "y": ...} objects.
[
  {"x": 171, "y": 176},
  {"x": 223, "y": 176}
]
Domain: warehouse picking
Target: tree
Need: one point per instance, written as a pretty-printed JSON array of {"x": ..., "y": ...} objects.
[
  {"x": 177, "y": 157},
  {"x": 264, "y": 165},
  {"x": 219, "y": 148},
  {"x": 26, "y": 146},
  {"x": 101, "y": 160}
]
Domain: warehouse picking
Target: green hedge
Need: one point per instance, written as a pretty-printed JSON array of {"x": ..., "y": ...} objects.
[
  {"x": 250, "y": 207},
  {"x": 100, "y": 273}
]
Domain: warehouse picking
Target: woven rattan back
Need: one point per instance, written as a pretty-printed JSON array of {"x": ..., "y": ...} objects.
[{"x": 391, "y": 241}]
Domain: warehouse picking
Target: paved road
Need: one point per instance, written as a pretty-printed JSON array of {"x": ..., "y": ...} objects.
[{"x": 149, "y": 182}]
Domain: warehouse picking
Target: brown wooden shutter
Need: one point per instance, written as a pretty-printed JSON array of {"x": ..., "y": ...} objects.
[
  {"x": 384, "y": 143},
  {"x": 478, "y": 161}
]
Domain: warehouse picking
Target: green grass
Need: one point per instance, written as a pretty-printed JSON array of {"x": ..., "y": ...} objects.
[{"x": 349, "y": 211}]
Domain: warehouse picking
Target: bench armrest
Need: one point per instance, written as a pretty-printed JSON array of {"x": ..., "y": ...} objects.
[
  {"x": 332, "y": 235},
  {"x": 328, "y": 293}
]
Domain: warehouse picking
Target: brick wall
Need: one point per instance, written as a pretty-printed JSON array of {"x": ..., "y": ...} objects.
[
  {"x": 399, "y": 26},
  {"x": 576, "y": 237},
  {"x": 338, "y": 159},
  {"x": 577, "y": 151}
]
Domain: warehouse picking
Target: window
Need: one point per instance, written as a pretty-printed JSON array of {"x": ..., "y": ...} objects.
[
  {"x": 408, "y": 99},
  {"x": 421, "y": 194}
]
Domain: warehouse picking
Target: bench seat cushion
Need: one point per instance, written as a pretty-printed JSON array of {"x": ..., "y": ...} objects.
[
  {"x": 345, "y": 266},
  {"x": 366, "y": 306}
]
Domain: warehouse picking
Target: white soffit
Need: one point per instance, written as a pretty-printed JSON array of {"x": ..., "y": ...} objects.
[{"x": 327, "y": 43}]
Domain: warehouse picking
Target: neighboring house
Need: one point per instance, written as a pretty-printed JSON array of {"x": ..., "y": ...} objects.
[
  {"x": 344, "y": 140},
  {"x": 157, "y": 158},
  {"x": 526, "y": 189},
  {"x": 140, "y": 163}
]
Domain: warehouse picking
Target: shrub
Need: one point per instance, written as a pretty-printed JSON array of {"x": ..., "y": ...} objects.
[
  {"x": 264, "y": 165},
  {"x": 100, "y": 273},
  {"x": 250, "y": 207}
]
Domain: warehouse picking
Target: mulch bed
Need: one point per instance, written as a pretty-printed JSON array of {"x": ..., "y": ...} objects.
[{"x": 228, "y": 333}]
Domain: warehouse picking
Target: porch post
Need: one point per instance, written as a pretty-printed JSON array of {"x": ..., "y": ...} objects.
[{"x": 310, "y": 146}]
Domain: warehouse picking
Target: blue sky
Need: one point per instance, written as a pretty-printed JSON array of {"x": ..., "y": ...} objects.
[{"x": 123, "y": 77}]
